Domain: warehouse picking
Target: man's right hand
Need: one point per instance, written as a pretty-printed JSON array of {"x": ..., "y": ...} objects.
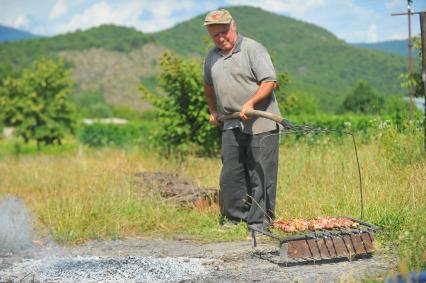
[{"x": 214, "y": 120}]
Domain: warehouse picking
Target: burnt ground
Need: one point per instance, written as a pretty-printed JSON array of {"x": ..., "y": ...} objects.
[
  {"x": 196, "y": 262},
  {"x": 162, "y": 260}
]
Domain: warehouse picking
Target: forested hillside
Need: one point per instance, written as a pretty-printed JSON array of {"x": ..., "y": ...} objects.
[
  {"x": 394, "y": 46},
  {"x": 110, "y": 37},
  {"x": 318, "y": 63},
  {"x": 12, "y": 34}
]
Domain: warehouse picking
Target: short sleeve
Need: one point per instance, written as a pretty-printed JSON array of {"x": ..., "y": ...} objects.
[{"x": 261, "y": 64}]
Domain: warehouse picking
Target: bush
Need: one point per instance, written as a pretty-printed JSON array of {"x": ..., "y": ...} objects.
[
  {"x": 182, "y": 112},
  {"x": 295, "y": 102},
  {"x": 37, "y": 102},
  {"x": 92, "y": 104},
  {"x": 99, "y": 135},
  {"x": 363, "y": 99},
  {"x": 366, "y": 127},
  {"x": 403, "y": 148}
]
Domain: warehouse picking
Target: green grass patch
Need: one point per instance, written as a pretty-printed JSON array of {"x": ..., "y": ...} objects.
[{"x": 93, "y": 193}]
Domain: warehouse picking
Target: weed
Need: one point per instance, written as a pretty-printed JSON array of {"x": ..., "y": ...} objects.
[{"x": 93, "y": 194}]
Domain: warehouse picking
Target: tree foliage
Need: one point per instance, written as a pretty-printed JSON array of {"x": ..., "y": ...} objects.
[
  {"x": 319, "y": 63},
  {"x": 363, "y": 99},
  {"x": 182, "y": 113},
  {"x": 293, "y": 102},
  {"x": 36, "y": 102},
  {"x": 419, "y": 86}
]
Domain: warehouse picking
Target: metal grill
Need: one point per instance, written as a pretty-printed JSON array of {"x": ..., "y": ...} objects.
[
  {"x": 320, "y": 244},
  {"x": 324, "y": 245}
]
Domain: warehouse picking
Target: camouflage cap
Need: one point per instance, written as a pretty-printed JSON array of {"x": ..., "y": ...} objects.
[{"x": 221, "y": 16}]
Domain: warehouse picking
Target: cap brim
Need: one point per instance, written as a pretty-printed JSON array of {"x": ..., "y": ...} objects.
[{"x": 217, "y": 23}]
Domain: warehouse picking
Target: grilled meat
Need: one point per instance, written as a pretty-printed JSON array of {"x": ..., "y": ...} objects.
[{"x": 328, "y": 223}]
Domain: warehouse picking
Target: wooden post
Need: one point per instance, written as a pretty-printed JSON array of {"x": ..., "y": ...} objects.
[
  {"x": 423, "y": 36},
  {"x": 410, "y": 62}
]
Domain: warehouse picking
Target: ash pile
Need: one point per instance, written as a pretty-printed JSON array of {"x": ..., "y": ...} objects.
[
  {"x": 105, "y": 269},
  {"x": 176, "y": 189}
]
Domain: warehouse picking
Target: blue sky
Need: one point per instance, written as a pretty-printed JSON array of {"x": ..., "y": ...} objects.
[{"x": 350, "y": 20}]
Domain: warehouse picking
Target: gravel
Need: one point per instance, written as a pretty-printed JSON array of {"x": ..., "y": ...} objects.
[{"x": 106, "y": 269}]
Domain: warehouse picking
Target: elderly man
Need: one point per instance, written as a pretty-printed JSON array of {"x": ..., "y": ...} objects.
[{"x": 239, "y": 77}]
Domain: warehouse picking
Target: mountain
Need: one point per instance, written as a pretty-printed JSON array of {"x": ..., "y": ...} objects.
[
  {"x": 393, "y": 46},
  {"x": 116, "y": 59},
  {"x": 317, "y": 61},
  {"x": 12, "y": 34}
]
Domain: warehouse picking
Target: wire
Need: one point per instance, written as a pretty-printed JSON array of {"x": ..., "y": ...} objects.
[{"x": 289, "y": 128}]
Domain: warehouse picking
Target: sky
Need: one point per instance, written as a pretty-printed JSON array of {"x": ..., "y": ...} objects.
[{"x": 351, "y": 20}]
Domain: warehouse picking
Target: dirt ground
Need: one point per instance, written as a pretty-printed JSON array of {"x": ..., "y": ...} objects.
[
  {"x": 221, "y": 262},
  {"x": 165, "y": 260}
]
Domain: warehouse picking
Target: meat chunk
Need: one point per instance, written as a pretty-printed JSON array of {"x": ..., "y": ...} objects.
[{"x": 328, "y": 223}]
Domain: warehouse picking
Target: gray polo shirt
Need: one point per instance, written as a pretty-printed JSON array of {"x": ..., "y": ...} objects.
[{"x": 236, "y": 78}]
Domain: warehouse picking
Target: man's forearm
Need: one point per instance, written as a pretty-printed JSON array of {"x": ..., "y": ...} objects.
[
  {"x": 210, "y": 97},
  {"x": 265, "y": 89},
  {"x": 211, "y": 102}
]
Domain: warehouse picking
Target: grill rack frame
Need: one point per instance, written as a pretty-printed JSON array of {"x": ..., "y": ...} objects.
[{"x": 320, "y": 246}]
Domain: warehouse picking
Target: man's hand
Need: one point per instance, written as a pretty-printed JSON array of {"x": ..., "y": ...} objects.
[
  {"x": 248, "y": 106},
  {"x": 214, "y": 120},
  {"x": 211, "y": 102},
  {"x": 265, "y": 89}
]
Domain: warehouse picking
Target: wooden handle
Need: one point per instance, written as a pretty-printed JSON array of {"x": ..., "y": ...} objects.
[
  {"x": 253, "y": 113},
  {"x": 258, "y": 113}
]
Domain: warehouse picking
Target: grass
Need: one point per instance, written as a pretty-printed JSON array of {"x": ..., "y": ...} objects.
[{"x": 82, "y": 193}]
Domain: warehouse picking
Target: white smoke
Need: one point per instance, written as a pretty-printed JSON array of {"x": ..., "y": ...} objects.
[{"x": 15, "y": 224}]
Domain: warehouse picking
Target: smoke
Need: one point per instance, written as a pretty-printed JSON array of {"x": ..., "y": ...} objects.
[{"x": 15, "y": 225}]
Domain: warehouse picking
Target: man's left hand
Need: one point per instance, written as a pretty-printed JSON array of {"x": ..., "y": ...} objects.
[{"x": 248, "y": 106}]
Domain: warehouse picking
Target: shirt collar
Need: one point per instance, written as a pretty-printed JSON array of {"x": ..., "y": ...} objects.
[{"x": 236, "y": 49}]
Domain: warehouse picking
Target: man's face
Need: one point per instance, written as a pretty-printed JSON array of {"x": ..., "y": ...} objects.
[{"x": 224, "y": 35}]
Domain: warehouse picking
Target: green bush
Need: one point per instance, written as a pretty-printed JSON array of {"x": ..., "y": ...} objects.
[
  {"x": 365, "y": 127},
  {"x": 363, "y": 99},
  {"x": 403, "y": 148},
  {"x": 37, "y": 102},
  {"x": 127, "y": 113},
  {"x": 99, "y": 135},
  {"x": 182, "y": 112},
  {"x": 92, "y": 104}
]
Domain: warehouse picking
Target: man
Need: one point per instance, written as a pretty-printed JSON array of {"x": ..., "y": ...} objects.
[{"x": 239, "y": 77}]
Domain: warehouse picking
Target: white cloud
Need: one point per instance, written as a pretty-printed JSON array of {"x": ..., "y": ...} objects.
[
  {"x": 163, "y": 14},
  {"x": 372, "y": 33},
  {"x": 166, "y": 14},
  {"x": 20, "y": 22},
  {"x": 102, "y": 13},
  {"x": 351, "y": 20},
  {"x": 59, "y": 9},
  {"x": 294, "y": 7}
]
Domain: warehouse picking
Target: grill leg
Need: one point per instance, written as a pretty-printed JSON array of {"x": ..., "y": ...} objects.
[
  {"x": 284, "y": 251},
  {"x": 253, "y": 239}
]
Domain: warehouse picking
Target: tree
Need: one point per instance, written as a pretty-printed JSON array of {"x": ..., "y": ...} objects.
[
  {"x": 415, "y": 78},
  {"x": 36, "y": 103},
  {"x": 182, "y": 113},
  {"x": 363, "y": 99},
  {"x": 295, "y": 102}
]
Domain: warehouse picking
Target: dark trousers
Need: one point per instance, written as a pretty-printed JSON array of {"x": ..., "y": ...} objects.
[{"x": 249, "y": 176}]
